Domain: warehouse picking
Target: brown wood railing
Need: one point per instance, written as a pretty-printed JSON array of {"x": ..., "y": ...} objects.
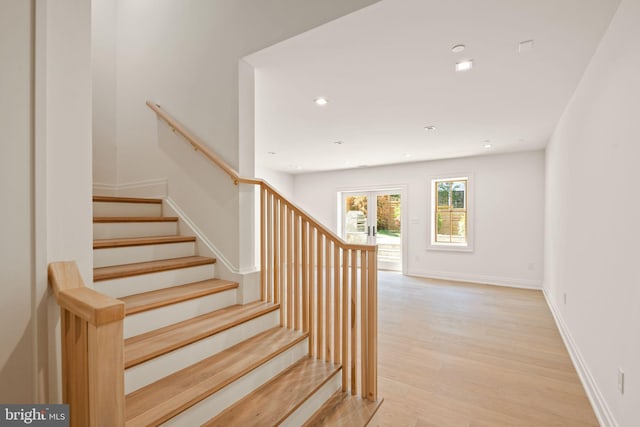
[
  {"x": 325, "y": 286},
  {"x": 92, "y": 349}
]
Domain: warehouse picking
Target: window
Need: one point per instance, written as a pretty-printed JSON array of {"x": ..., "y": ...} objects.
[{"x": 450, "y": 214}]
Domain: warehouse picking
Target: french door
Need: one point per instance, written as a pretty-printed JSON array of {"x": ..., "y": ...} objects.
[{"x": 374, "y": 218}]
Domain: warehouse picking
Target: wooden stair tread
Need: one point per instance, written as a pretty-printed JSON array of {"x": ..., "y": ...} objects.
[
  {"x": 273, "y": 402},
  {"x": 107, "y": 219},
  {"x": 143, "y": 347},
  {"x": 140, "y": 241},
  {"x": 165, "y": 398},
  {"x": 114, "y": 199},
  {"x": 161, "y": 297},
  {"x": 344, "y": 410},
  {"x": 135, "y": 269}
]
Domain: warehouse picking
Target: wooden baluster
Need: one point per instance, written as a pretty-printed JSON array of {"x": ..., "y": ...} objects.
[
  {"x": 289, "y": 270},
  {"x": 276, "y": 254},
  {"x": 296, "y": 271},
  {"x": 353, "y": 302},
  {"x": 336, "y": 303},
  {"x": 345, "y": 319},
  {"x": 270, "y": 260},
  {"x": 319, "y": 299},
  {"x": 327, "y": 299},
  {"x": 282, "y": 258},
  {"x": 305, "y": 276},
  {"x": 364, "y": 325},
  {"x": 312, "y": 297},
  {"x": 263, "y": 245},
  {"x": 372, "y": 369}
]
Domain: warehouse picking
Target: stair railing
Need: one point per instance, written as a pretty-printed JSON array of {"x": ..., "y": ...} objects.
[
  {"x": 92, "y": 349},
  {"x": 325, "y": 286}
]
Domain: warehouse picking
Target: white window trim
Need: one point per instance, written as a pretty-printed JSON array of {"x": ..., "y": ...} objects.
[{"x": 432, "y": 245}]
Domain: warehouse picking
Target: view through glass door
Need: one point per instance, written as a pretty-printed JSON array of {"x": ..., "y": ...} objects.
[{"x": 374, "y": 218}]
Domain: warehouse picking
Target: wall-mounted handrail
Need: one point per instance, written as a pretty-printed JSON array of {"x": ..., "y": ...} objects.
[
  {"x": 92, "y": 349},
  {"x": 326, "y": 287},
  {"x": 237, "y": 179}
]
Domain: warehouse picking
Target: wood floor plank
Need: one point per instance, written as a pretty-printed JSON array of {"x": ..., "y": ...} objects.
[
  {"x": 159, "y": 401},
  {"x": 162, "y": 297},
  {"x": 114, "y": 199},
  {"x": 455, "y": 354},
  {"x": 344, "y": 410},
  {"x": 135, "y": 269},
  {"x": 141, "y": 348},
  {"x": 107, "y": 219},
  {"x": 140, "y": 241},
  {"x": 272, "y": 403}
]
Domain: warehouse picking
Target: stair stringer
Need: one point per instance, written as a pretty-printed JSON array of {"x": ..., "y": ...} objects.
[{"x": 249, "y": 279}]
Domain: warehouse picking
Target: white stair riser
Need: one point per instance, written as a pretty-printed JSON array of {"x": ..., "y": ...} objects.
[
  {"x": 217, "y": 402},
  {"x": 146, "y": 321},
  {"x": 117, "y": 230},
  {"x": 314, "y": 402},
  {"x": 141, "y": 375},
  {"x": 149, "y": 282},
  {"x": 130, "y": 254},
  {"x": 126, "y": 209}
]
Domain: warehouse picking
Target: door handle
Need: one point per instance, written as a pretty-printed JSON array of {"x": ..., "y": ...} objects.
[
  {"x": 368, "y": 230},
  {"x": 374, "y": 231}
]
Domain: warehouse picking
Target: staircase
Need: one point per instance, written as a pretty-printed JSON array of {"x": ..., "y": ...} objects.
[{"x": 192, "y": 354}]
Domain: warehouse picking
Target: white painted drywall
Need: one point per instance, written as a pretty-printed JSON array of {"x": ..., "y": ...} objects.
[
  {"x": 592, "y": 209},
  {"x": 103, "y": 68},
  {"x": 508, "y": 212},
  {"x": 283, "y": 182},
  {"x": 184, "y": 55},
  {"x": 68, "y": 133},
  {"x": 17, "y": 348}
]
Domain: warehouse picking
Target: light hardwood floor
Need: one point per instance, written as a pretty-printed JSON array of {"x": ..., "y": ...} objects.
[{"x": 453, "y": 354}]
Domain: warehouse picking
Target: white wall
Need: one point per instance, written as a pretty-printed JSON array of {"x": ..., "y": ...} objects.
[
  {"x": 508, "y": 211},
  {"x": 17, "y": 351},
  {"x": 103, "y": 68},
  {"x": 281, "y": 181},
  {"x": 184, "y": 55},
  {"x": 592, "y": 206}
]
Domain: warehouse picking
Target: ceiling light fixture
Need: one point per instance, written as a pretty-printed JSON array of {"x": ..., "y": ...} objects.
[
  {"x": 429, "y": 128},
  {"x": 321, "y": 101},
  {"x": 487, "y": 145},
  {"x": 338, "y": 142},
  {"x": 406, "y": 155},
  {"x": 464, "y": 65},
  {"x": 458, "y": 48}
]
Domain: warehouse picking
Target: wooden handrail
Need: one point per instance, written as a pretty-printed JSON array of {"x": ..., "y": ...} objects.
[
  {"x": 237, "y": 179},
  {"x": 304, "y": 265},
  {"x": 92, "y": 349}
]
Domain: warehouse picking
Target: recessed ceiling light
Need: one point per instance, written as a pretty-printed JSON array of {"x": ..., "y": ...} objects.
[
  {"x": 321, "y": 101},
  {"x": 406, "y": 155},
  {"x": 458, "y": 48},
  {"x": 429, "y": 128},
  {"x": 338, "y": 142},
  {"x": 487, "y": 145},
  {"x": 464, "y": 65}
]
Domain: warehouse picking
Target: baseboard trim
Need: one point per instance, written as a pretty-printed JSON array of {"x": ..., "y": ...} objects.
[
  {"x": 200, "y": 235},
  {"x": 480, "y": 279},
  {"x": 600, "y": 407},
  {"x": 148, "y": 188}
]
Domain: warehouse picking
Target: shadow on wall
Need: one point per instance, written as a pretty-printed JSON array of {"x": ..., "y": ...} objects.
[{"x": 17, "y": 376}]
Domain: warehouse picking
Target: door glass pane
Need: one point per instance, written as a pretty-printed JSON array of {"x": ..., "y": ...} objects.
[
  {"x": 356, "y": 209},
  {"x": 388, "y": 228}
]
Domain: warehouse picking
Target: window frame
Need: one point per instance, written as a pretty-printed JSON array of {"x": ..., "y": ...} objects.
[{"x": 433, "y": 206}]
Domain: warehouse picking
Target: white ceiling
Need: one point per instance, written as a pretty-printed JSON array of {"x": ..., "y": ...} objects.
[{"x": 388, "y": 71}]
